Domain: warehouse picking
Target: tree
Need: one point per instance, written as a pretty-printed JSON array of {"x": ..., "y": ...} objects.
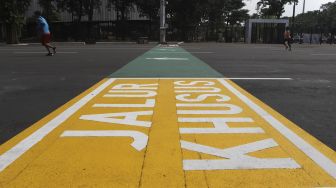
[
  {"x": 255, "y": 16},
  {"x": 224, "y": 13},
  {"x": 121, "y": 7},
  {"x": 149, "y": 8},
  {"x": 328, "y": 16},
  {"x": 12, "y": 15},
  {"x": 186, "y": 15},
  {"x": 308, "y": 20},
  {"x": 49, "y": 9},
  {"x": 74, "y": 7},
  {"x": 323, "y": 19},
  {"x": 89, "y": 7},
  {"x": 270, "y": 8},
  {"x": 78, "y": 8},
  {"x": 233, "y": 12}
]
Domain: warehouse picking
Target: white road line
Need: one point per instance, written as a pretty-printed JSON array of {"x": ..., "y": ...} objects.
[
  {"x": 140, "y": 139},
  {"x": 321, "y": 160},
  {"x": 19, "y": 149},
  {"x": 32, "y": 52},
  {"x": 323, "y": 54},
  {"x": 171, "y": 52},
  {"x": 168, "y": 59}
]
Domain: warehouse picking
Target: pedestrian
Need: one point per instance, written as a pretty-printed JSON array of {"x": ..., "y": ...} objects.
[
  {"x": 287, "y": 39},
  {"x": 44, "y": 33}
]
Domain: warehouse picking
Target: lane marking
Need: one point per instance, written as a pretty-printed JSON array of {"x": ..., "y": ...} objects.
[
  {"x": 324, "y": 162},
  {"x": 236, "y": 157},
  {"x": 150, "y": 103},
  {"x": 44, "y": 52},
  {"x": 187, "y": 136},
  {"x": 168, "y": 59},
  {"x": 139, "y": 139},
  {"x": 19, "y": 149},
  {"x": 323, "y": 54},
  {"x": 172, "y": 52}
]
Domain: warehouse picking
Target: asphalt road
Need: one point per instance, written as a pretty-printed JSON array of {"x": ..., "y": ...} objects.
[
  {"x": 309, "y": 100},
  {"x": 33, "y": 85}
]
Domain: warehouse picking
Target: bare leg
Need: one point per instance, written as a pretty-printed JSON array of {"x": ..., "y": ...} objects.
[
  {"x": 286, "y": 44},
  {"x": 289, "y": 46},
  {"x": 53, "y": 47},
  {"x": 47, "y": 47}
]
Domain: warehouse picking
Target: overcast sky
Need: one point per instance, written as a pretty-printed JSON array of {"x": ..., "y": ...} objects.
[{"x": 310, "y": 5}]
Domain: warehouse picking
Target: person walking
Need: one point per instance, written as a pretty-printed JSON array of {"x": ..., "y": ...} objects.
[
  {"x": 287, "y": 39},
  {"x": 44, "y": 33}
]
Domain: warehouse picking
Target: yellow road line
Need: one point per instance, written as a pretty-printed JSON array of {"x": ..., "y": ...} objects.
[
  {"x": 166, "y": 133},
  {"x": 163, "y": 165}
]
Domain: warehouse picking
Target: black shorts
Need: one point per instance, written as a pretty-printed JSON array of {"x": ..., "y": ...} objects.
[{"x": 288, "y": 41}]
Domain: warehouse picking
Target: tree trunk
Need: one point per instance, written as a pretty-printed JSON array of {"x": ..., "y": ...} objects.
[{"x": 12, "y": 36}]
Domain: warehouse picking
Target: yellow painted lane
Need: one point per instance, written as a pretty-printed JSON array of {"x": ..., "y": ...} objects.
[
  {"x": 163, "y": 166},
  {"x": 166, "y": 133},
  {"x": 299, "y": 171}
]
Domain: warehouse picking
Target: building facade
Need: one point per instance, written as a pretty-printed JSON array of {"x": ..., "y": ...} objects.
[{"x": 103, "y": 13}]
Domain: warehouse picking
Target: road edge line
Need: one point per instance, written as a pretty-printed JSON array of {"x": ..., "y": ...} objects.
[
  {"x": 20, "y": 148},
  {"x": 320, "y": 159}
]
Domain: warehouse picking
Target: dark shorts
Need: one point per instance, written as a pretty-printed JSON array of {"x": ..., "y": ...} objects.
[
  {"x": 45, "y": 39},
  {"x": 288, "y": 41}
]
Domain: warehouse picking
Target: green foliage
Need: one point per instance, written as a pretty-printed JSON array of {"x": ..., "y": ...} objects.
[
  {"x": 74, "y": 7},
  {"x": 49, "y": 9},
  {"x": 273, "y": 8},
  {"x": 78, "y": 8},
  {"x": 323, "y": 19},
  {"x": 233, "y": 12},
  {"x": 187, "y": 15},
  {"x": 89, "y": 6},
  {"x": 121, "y": 7},
  {"x": 328, "y": 16},
  {"x": 149, "y": 8},
  {"x": 12, "y": 14},
  {"x": 12, "y": 11},
  {"x": 307, "y": 20}
]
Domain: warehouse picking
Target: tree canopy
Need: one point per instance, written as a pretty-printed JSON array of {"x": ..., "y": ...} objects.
[
  {"x": 78, "y": 8},
  {"x": 12, "y": 14},
  {"x": 187, "y": 15},
  {"x": 323, "y": 19},
  {"x": 12, "y": 11},
  {"x": 49, "y": 9},
  {"x": 273, "y": 8}
]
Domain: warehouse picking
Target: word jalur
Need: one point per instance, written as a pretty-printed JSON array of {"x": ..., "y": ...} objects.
[{"x": 233, "y": 158}]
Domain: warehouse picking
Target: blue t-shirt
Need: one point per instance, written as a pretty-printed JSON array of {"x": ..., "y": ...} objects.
[{"x": 42, "y": 25}]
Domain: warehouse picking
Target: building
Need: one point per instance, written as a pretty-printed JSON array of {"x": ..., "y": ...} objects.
[
  {"x": 265, "y": 30},
  {"x": 101, "y": 14}
]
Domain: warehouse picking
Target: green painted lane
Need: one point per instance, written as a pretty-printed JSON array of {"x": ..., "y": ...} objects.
[{"x": 165, "y": 62}]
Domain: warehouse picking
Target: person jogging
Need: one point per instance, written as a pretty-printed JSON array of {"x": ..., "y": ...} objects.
[
  {"x": 287, "y": 39},
  {"x": 44, "y": 33}
]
